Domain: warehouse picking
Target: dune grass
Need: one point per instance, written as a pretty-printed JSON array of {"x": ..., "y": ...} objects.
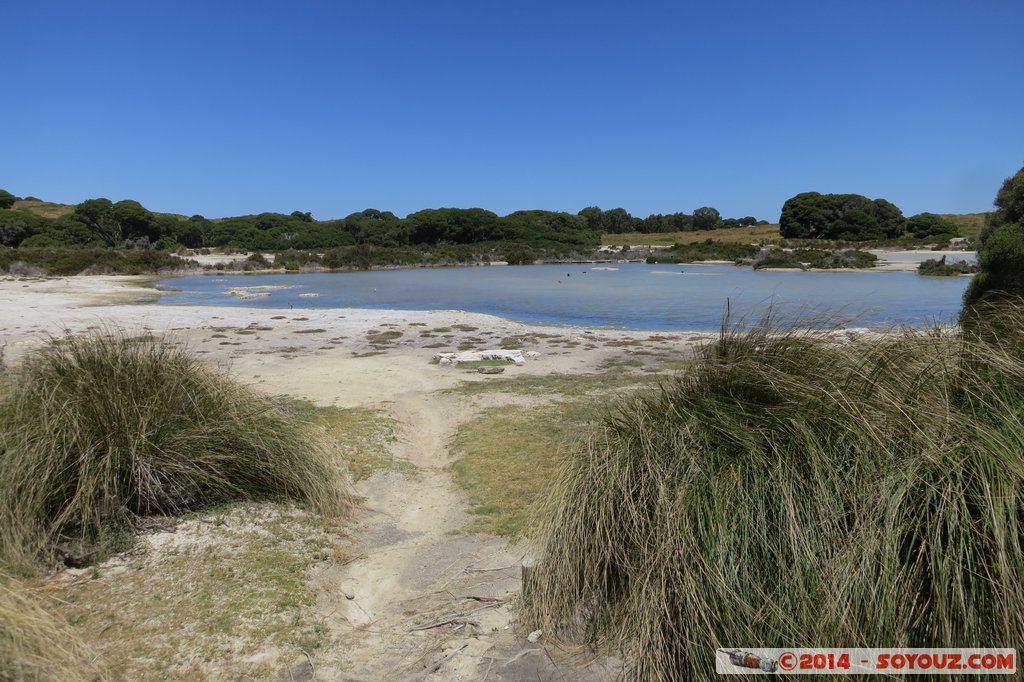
[
  {"x": 790, "y": 490},
  {"x": 99, "y": 429},
  {"x": 34, "y": 645}
]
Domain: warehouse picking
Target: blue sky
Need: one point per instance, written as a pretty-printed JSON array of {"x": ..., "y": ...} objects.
[{"x": 227, "y": 108}]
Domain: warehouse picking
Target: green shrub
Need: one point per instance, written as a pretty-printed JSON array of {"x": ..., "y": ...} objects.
[
  {"x": 791, "y": 489},
  {"x": 925, "y": 225},
  {"x": 69, "y": 261},
  {"x": 776, "y": 258},
  {"x": 518, "y": 254},
  {"x": 96, "y": 430},
  {"x": 842, "y": 258},
  {"x": 1001, "y": 256},
  {"x": 822, "y": 259},
  {"x": 938, "y": 267}
]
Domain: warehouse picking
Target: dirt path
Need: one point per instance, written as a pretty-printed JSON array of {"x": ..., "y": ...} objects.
[{"x": 414, "y": 570}]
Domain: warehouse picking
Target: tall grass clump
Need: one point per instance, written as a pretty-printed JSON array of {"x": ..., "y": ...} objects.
[
  {"x": 97, "y": 430},
  {"x": 796, "y": 489},
  {"x": 34, "y": 646}
]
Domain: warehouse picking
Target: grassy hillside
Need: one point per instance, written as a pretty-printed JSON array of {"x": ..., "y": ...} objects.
[
  {"x": 970, "y": 225},
  {"x": 49, "y": 209},
  {"x": 43, "y": 209},
  {"x": 736, "y": 235}
]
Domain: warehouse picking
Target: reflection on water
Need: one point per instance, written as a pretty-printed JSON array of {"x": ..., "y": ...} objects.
[{"x": 637, "y": 296}]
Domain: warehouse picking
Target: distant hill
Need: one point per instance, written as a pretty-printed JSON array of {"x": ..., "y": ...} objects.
[
  {"x": 48, "y": 209},
  {"x": 970, "y": 224},
  {"x": 42, "y": 208}
]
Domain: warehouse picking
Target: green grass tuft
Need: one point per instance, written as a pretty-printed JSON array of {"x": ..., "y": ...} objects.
[
  {"x": 791, "y": 489},
  {"x": 100, "y": 429},
  {"x": 476, "y": 364},
  {"x": 36, "y": 646}
]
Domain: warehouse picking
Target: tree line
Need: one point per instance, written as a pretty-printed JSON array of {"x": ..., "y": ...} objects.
[{"x": 126, "y": 224}]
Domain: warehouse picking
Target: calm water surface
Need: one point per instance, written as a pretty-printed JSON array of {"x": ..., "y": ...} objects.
[{"x": 635, "y": 296}]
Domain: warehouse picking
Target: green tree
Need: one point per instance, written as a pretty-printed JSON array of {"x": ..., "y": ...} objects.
[
  {"x": 113, "y": 224},
  {"x": 618, "y": 221},
  {"x": 7, "y": 199},
  {"x": 17, "y": 226},
  {"x": 706, "y": 218},
  {"x": 853, "y": 217},
  {"x": 134, "y": 221},
  {"x": 1009, "y": 203},
  {"x": 930, "y": 225},
  {"x": 98, "y": 218},
  {"x": 593, "y": 215},
  {"x": 1001, "y": 257}
]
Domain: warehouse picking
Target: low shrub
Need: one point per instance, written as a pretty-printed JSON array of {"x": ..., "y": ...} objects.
[
  {"x": 938, "y": 267},
  {"x": 99, "y": 429},
  {"x": 69, "y": 261},
  {"x": 776, "y": 258},
  {"x": 821, "y": 259},
  {"x": 702, "y": 251}
]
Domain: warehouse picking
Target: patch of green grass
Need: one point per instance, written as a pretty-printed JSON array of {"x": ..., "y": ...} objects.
[
  {"x": 379, "y": 337},
  {"x": 363, "y": 436},
  {"x": 235, "y": 591},
  {"x": 475, "y": 364},
  {"x": 555, "y": 385},
  {"x": 310, "y": 331},
  {"x": 441, "y": 330},
  {"x": 507, "y": 474},
  {"x": 620, "y": 364}
]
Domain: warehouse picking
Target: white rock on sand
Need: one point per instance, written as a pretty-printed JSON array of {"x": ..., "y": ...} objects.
[{"x": 515, "y": 356}]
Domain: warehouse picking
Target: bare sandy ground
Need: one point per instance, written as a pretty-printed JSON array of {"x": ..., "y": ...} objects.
[{"x": 412, "y": 568}]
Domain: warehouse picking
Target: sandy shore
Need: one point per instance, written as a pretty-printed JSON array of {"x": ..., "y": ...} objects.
[
  {"x": 413, "y": 560},
  {"x": 33, "y": 309}
]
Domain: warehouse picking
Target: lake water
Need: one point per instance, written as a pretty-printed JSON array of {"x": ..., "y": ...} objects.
[{"x": 634, "y": 296}]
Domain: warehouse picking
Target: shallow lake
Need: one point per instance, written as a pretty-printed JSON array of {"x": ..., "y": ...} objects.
[{"x": 635, "y": 296}]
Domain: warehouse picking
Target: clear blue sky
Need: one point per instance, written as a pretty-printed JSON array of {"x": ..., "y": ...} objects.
[{"x": 226, "y": 108}]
